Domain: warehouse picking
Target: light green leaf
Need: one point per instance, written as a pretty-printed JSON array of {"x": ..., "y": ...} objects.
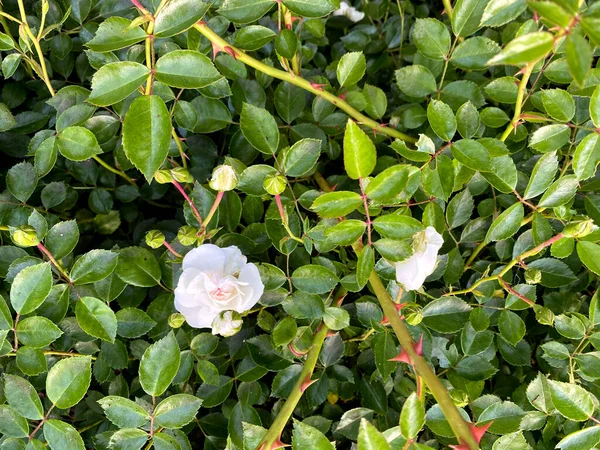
[
  {"x": 159, "y": 365},
  {"x": 412, "y": 417},
  {"x": 587, "y": 157},
  {"x": 116, "y": 81},
  {"x": 245, "y": 11},
  {"x": 123, "y": 412},
  {"x": 260, "y": 129},
  {"x": 360, "y": 155},
  {"x": 147, "y": 134},
  {"x": 77, "y": 144},
  {"x": 388, "y": 183},
  {"x": 467, "y": 16},
  {"x": 542, "y": 175},
  {"x": 584, "y": 439},
  {"x": 30, "y": 288},
  {"x": 177, "y": 410},
  {"x": 306, "y": 437},
  {"x": 416, "y": 81},
  {"x": 560, "y": 192},
  {"x": 550, "y": 137},
  {"x": 571, "y": 401},
  {"x": 310, "y": 8},
  {"x": 432, "y": 38},
  {"x": 314, "y": 279},
  {"x": 589, "y": 253},
  {"x": 500, "y": 12},
  {"x": 23, "y": 397},
  {"x": 96, "y": 318},
  {"x": 37, "y": 332},
  {"x": 527, "y": 48},
  {"x": 351, "y": 68},
  {"x": 93, "y": 266},
  {"x": 506, "y": 224},
  {"x": 177, "y": 16},
  {"x": 186, "y": 69},
  {"x": 472, "y": 154},
  {"x": 115, "y": 33},
  {"x": 336, "y": 204},
  {"x": 68, "y": 381}
]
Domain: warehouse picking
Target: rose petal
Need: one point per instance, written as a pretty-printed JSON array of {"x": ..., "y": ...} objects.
[
  {"x": 250, "y": 274},
  {"x": 207, "y": 257},
  {"x": 234, "y": 260}
]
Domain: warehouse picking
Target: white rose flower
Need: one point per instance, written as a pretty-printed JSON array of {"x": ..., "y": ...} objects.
[
  {"x": 350, "y": 12},
  {"x": 411, "y": 273},
  {"x": 216, "y": 279}
]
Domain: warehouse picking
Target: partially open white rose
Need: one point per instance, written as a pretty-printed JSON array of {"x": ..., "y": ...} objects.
[
  {"x": 350, "y": 12},
  {"x": 216, "y": 279},
  {"x": 411, "y": 273}
]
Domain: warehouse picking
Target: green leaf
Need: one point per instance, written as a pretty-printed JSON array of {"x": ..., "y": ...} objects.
[
  {"x": 6, "y": 42},
  {"x": 467, "y": 118},
  {"x": 123, "y": 412},
  {"x": 555, "y": 273},
  {"x": 21, "y": 181},
  {"x": 186, "y": 69},
  {"x": 336, "y": 204},
  {"x": 550, "y": 137},
  {"x": 500, "y": 12},
  {"x": 587, "y": 157},
  {"x": 471, "y": 154},
  {"x": 571, "y": 401},
  {"x": 432, "y": 38},
  {"x": 560, "y": 192},
  {"x": 133, "y": 323},
  {"x": 245, "y": 11},
  {"x": 364, "y": 265},
  {"x": 115, "y": 81},
  {"x": 306, "y": 437},
  {"x": 62, "y": 238},
  {"x": 62, "y": 436},
  {"x": 346, "y": 232},
  {"x": 527, "y": 48},
  {"x": 439, "y": 181},
  {"x": 376, "y": 101},
  {"x": 511, "y": 327},
  {"x": 177, "y": 16},
  {"x": 505, "y": 417},
  {"x": 254, "y": 37},
  {"x": 260, "y": 129},
  {"x": 286, "y": 43},
  {"x": 360, "y": 155},
  {"x": 459, "y": 209},
  {"x": 467, "y": 16},
  {"x": 37, "y": 332},
  {"x": 30, "y": 288},
  {"x": 579, "y": 57},
  {"x": 68, "y": 381},
  {"x": 177, "y": 410},
  {"x": 446, "y": 314},
  {"x": 412, "y": 417},
  {"x": 96, "y": 318},
  {"x": 506, "y": 224},
  {"x": 442, "y": 120},
  {"x": 595, "y": 107},
  {"x": 147, "y": 134},
  {"x": 314, "y": 279},
  {"x": 139, "y": 267},
  {"x": 388, "y": 184},
  {"x": 336, "y": 318},
  {"x": 558, "y": 104},
  {"x": 23, "y": 397},
  {"x": 93, "y": 266},
  {"x": 351, "y": 69},
  {"x": 159, "y": 365},
  {"x": 589, "y": 253},
  {"x": 285, "y": 331},
  {"x": 416, "y": 81},
  {"x": 584, "y": 439},
  {"x": 115, "y": 33},
  {"x": 12, "y": 424},
  {"x": 301, "y": 157},
  {"x": 77, "y": 144},
  {"x": 7, "y": 120},
  {"x": 310, "y": 8},
  {"x": 396, "y": 226},
  {"x": 542, "y": 175},
  {"x": 128, "y": 439}
]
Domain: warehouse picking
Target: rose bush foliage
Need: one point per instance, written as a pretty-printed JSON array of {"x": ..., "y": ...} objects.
[{"x": 321, "y": 140}]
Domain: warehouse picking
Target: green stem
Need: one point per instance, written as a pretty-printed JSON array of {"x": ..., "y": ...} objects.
[
  {"x": 292, "y": 401},
  {"x": 519, "y": 103},
  {"x": 180, "y": 148},
  {"x": 213, "y": 209},
  {"x": 221, "y": 43},
  {"x": 113, "y": 170},
  {"x": 448, "y": 8},
  {"x": 54, "y": 262},
  {"x": 459, "y": 426}
]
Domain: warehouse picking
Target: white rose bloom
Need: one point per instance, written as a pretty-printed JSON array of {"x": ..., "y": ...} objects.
[
  {"x": 411, "y": 273},
  {"x": 216, "y": 279},
  {"x": 227, "y": 323},
  {"x": 350, "y": 12}
]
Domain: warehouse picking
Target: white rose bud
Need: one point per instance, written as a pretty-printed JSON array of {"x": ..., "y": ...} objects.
[
  {"x": 223, "y": 179},
  {"x": 227, "y": 323},
  {"x": 214, "y": 280},
  {"x": 411, "y": 273}
]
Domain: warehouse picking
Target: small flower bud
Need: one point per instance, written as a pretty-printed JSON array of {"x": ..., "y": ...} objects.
[
  {"x": 533, "y": 276},
  {"x": 459, "y": 397},
  {"x": 163, "y": 176},
  {"x": 187, "y": 235},
  {"x": 25, "y": 236},
  {"x": 176, "y": 320},
  {"x": 579, "y": 229},
  {"x": 227, "y": 323},
  {"x": 274, "y": 184},
  {"x": 223, "y": 179},
  {"x": 154, "y": 239},
  {"x": 182, "y": 175}
]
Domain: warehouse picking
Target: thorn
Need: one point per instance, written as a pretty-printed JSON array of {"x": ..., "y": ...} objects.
[
  {"x": 419, "y": 346},
  {"x": 460, "y": 447},
  {"x": 536, "y": 17},
  {"x": 520, "y": 72},
  {"x": 403, "y": 356},
  {"x": 275, "y": 445},
  {"x": 306, "y": 383},
  {"x": 343, "y": 95},
  {"x": 216, "y": 49},
  {"x": 331, "y": 333},
  {"x": 478, "y": 432},
  {"x": 294, "y": 19},
  {"x": 334, "y": 187},
  {"x": 231, "y": 51},
  {"x": 288, "y": 26},
  {"x": 317, "y": 86}
]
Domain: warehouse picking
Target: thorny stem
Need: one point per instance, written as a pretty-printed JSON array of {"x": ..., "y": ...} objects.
[
  {"x": 188, "y": 200},
  {"x": 459, "y": 426},
  {"x": 221, "y": 43},
  {"x": 54, "y": 262},
  {"x": 448, "y": 8},
  {"x": 292, "y": 401}
]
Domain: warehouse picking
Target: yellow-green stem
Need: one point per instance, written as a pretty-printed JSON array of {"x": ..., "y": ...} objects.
[
  {"x": 457, "y": 423},
  {"x": 292, "y": 401},
  {"x": 113, "y": 170},
  {"x": 221, "y": 43},
  {"x": 519, "y": 103},
  {"x": 180, "y": 148},
  {"x": 448, "y": 8}
]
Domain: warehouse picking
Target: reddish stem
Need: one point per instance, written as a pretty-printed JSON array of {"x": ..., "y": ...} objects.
[
  {"x": 189, "y": 201},
  {"x": 511, "y": 290},
  {"x": 172, "y": 250}
]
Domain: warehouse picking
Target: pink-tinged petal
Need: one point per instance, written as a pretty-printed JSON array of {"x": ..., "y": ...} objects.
[
  {"x": 250, "y": 275},
  {"x": 207, "y": 257},
  {"x": 234, "y": 260}
]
